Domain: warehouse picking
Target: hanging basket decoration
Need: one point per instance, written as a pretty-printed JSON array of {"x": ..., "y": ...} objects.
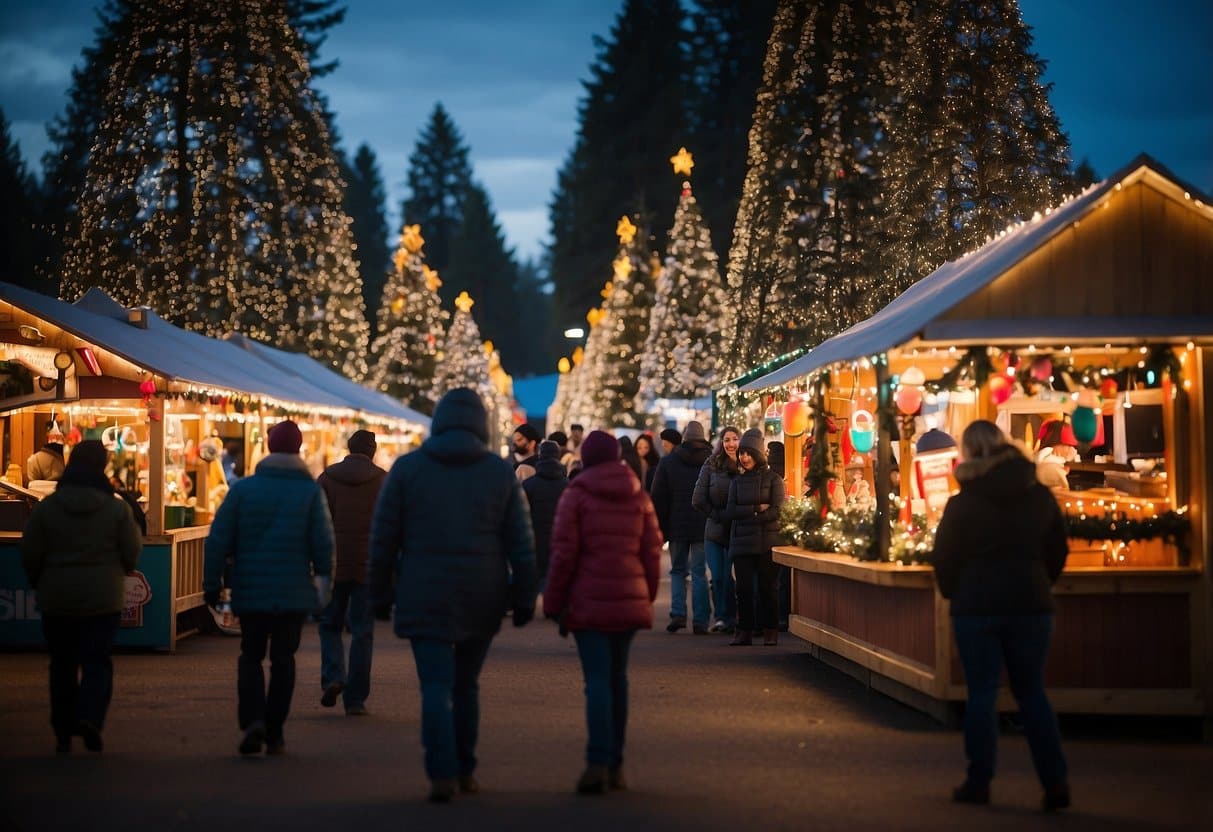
[{"x": 863, "y": 431}]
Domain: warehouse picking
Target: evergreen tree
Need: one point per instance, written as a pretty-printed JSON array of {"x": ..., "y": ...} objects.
[
  {"x": 975, "y": 144},
  {"x": 557, "y": 417},
  {"x": 728, "y": 44},
  {"x": 683, "y": 351},
  {"x": 628, "y": 304},
  {"x": 482, "y": 266},
  {"x": 1084, "y": 174},
  {"x": 18, "y": 214},
  {"x": 212, "y": 193},
  {"x": 464, "y": 361},
  {"x": 439, "y": 177},
  {"x": 365, "y": 199},
  {"x": 634, "y": 108},
  {"x": 800, "y": 268},
  {"x": 411, "y": 322},
  {"x": 534, "y": 353},
  {"x": 588, "y": 401}
]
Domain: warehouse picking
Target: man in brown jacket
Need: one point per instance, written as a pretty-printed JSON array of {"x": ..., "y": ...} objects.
[{"x": 352, "y": 488}]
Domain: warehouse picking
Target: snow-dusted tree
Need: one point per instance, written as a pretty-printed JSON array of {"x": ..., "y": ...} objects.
[
  {"x": 629, "y": 301},
  {"x": 212, "y": 192},
  {"x": 975, "y": 144},
  {"x": 682, "y": 355},
  {"x": 463, "y": 361},
  {"x": 411, "y": 321},
  {"x": 557, "y": 416},
  {"x": 588, "y": 400}
]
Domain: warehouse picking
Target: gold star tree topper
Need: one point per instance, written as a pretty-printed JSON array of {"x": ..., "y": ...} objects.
[
  {"x": 625, "y": 230},
  {"x": 431, "y": 278},
  {"x": 411, "y": 238},
  {"x": 682, "y": 162},
  {"x": 464, "y": 302}
]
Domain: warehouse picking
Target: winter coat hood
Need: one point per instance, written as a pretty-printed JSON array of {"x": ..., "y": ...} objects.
[
  {"x": 355, "y": 469},
  {"x": 693, "y": 452},
  {"x": 283, "y": 465},
  {"x": 459, "y": 431},
  {"x": 1006, "y": 473},
  {"x": 550, "y": 469},
  {"x": 78, "y": 500},
  {"x": 608, "y": 480}
]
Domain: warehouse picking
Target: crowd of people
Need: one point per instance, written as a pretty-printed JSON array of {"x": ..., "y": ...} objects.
[{"x": 453, "y": 539}]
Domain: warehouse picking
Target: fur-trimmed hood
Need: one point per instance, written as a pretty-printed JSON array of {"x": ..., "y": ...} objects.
[{"x": 1004, "y": 473}]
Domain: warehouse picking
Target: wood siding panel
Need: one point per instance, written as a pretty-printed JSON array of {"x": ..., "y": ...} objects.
[{"x": 896, "y": 619}]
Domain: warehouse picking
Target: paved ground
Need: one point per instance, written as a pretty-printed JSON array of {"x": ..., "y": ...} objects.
[{"x": 720, "y": 738}]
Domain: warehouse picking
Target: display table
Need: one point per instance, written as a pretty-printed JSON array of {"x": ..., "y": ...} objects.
[
  {"x": 167, "y": 582},
  {"x": 1127, "y": 640}
]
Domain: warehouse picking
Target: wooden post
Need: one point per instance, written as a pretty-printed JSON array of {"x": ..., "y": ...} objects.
[
  {"x": 155, "y": 473},
  {"x": 793, "y": 465},
  {"x": 884, "y": 457}
]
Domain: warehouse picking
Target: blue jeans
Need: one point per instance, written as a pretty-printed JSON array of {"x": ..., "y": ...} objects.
[
  {"x": 349, "y": 604},
  {"x": 985, "y": 642},
  {"x": 81, "y": 671},
  {"x": 450, "y": 704},
  {"x": 724, "y": 601},
  {"x": 682, "y": 553},
  {"x": 604, "y": 663}
]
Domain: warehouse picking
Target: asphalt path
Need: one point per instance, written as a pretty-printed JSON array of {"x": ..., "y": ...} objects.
[{"x": 720, "y": 738}]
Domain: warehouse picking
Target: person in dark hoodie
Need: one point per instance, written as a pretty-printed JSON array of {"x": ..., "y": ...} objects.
[
  {"x": 274, "y": 532},
  {"x": 1000, "y": 547},
  {"x": 543, "y": 492},
  {"x": 755, "y": 497},
  {"x": 78, "y": 546},
  {"x": 673, "y": 488},
  {"x": 351, "y": 488},
  {"x": 451, "y": 543},
  {"x": 606, "y": 565}
]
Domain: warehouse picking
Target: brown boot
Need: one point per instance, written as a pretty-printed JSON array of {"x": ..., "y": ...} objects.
[
  {"x": 741, "y": 638},
  {"x": 770, "y": 637}
]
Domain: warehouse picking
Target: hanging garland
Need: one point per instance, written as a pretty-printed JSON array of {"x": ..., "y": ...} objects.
[
  {"x": 1171, "y": 526},
  {"x": 975, "y": 366},
  {"x": 820, "y": 471}
]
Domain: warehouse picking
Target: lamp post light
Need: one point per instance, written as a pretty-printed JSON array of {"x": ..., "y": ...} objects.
[{"x": 574, "y": 333}]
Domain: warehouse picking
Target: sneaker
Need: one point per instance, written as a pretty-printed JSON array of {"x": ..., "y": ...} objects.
[
  {"x": 717, "y": 626},
  {"x": 91, "y": 735},
  {"x": 275, "y": 747},
  {"x": 1056, "y": 797},
  {"x": 677, "y": 623},
  {"x": 594, "y": 780},
  {"x": 468, "y": 784},
  {"x": 616, "y": 780},
  {"x": 331, "y": 692},
  {"x": 699, "y": 630},
  {"x": 441, "y": 791},
  {"x": 253, "y": 739},
  {"x": 356, "y": 710},
  {"x": 971, "y": 792}
]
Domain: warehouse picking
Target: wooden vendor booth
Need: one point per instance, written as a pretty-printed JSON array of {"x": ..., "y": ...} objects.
[
  {"x": 1087, "y": 334},
  {"x": 181, "y": 414}
]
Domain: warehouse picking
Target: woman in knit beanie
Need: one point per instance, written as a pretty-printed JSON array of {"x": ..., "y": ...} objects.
[{"x": 754, "y": 501}]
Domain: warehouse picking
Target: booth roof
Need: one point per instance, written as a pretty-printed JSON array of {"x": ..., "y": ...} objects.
[
  {"x": 313, "y": 372},
  {"x": 914, "y": 311}
]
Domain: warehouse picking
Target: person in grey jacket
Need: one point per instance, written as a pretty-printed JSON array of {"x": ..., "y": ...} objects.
[
  {"x": 272, "y": 533},
  {"x": 710, "y": 498},
  {"x": 753, "y": 510},
  {"x": 452, "y": 544}
]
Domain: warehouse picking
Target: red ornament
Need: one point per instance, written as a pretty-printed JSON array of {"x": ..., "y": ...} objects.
[
  {"x": 909, "y": 400},
  {"x": 1042, "y": 369},
  {"x": 1108, "y": 388},
  {"x": 147, "y": 387},
  {"x": 846, "y": 447},
  {"x": 1000, "y": 389}
]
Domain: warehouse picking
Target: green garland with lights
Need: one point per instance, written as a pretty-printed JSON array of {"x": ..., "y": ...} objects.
[{"x": 1170, "y": 526}]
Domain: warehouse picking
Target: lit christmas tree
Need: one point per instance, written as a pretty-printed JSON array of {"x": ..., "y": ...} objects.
[
  {"x": 411, "y": 321},
  {"x": 682, "y": 354},
  {"x": 975, "y": 144},
  {"x": 588, "y": 400},
  {"x": 464, "y": 362},
  {"x": 628, "y": 303},
  {"x": 212, "y": 191},
  {"x": 558, "y": 411}
]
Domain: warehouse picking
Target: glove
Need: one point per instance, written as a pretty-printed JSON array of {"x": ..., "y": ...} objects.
[
  {"x": 383, "y": 612},
  {"x": 324, "y": 590},
  {"x": 523, "y": 615},
  {"x": 211, "y": 597}
]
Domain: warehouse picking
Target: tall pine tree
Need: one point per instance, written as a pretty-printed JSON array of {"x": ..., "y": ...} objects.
[
  {"x": 18, "y": 215},
  {"x": 411, "y": 325},
  {"x": 628, "y": 305},
  {"x": 975, "y": 144},
  {"x": 365, "y": 198},
  {"x": 464, "y": 362},
  {"x": 212, "y": 192},
  {"x": 633, "y": 109},
  {"x": 438, "y": 179},
  {"x": 684, "y": 349}
]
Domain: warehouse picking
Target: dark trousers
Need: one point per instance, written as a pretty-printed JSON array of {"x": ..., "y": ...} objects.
[
  {"x": 985, "y": 642},
  {"x": 604, "y": 663},
  {"x": 449, "y": 675},
  {"x": 280, "y": 632},
  {"x": 81, "y": 672},
  {"x": 746, "y": 570}
]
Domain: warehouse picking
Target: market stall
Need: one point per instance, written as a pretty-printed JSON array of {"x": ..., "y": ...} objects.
[
  {"x": 180, "y": 414},
  {"x": 1087, "y": 334}
]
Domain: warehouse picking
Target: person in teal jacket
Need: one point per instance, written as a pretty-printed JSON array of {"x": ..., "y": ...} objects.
[{"x": 273, "y": 538}]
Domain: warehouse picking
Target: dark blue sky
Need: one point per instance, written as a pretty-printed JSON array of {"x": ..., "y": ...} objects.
[{"x": 1129, "y": 76}]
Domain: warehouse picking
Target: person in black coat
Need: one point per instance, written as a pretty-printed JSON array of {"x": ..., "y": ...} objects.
[
  {"x": 543, "y": 493},
  {"x": 755, "y": 498},
  {"x": 451, "y": 543},
  {"x": 710, "y": 499},
  {"x": 673, "y": 487},
  {"x": 1000, "y": 546}
]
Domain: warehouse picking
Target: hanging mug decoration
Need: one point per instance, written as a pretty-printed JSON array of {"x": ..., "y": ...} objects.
[{"x": 863, "y": 430}]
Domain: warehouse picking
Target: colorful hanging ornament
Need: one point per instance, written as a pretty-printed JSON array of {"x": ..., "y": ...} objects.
[
  {"x": 909, "y": 400},
  {"x": 863, "y": 431},
  {"x": 1084, "y": 422},
  {"x": 913, "y": 377},
  {"x": 795, "y": 418},
  {"x": 1108, "y": 388},
  {"x": 1042, "y": 369},
  {"x": 1001, "y": 389}
]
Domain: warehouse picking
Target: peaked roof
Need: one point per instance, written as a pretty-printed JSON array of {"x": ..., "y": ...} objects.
[{"x": 914, "y": 309}]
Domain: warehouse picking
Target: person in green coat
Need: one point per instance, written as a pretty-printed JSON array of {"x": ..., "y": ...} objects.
[{"x": 78, "y": 547}]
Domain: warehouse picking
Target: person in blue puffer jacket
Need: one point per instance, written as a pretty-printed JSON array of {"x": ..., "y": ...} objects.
[{"x": 273, "y": 536}]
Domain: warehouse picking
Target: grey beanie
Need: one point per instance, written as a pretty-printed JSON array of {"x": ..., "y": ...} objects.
[
  {"x": 694, "y": 430},
  {"x": 753, "y": 442}
]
